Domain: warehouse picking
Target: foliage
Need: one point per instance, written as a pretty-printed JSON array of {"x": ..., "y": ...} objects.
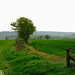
[
  {"x": 41, "y": 36},
  {"x": 19, "y": 39},
  {"x": 47, "y": 37},
  {"x": 24, "y": 27}
]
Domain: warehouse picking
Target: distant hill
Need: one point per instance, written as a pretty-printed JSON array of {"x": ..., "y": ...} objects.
[
  {"x": 5, "y": 33},
  {"x": 9, "y": 34},
  {"x": 13, "y": 35},
  {"x": 53, "y": 33}
]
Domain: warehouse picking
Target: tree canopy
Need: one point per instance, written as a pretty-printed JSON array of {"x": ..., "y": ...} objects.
[
  {"x": 24, "y": 27},
  {"x": 41, "y": 36},
  {"x": 47, "y": 37}
]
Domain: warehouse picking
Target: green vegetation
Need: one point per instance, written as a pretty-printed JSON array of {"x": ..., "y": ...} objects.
[
  {"x": 47, "y": 37},
  {"x": 56, "y": 46},
  {"x": 14, "y": 62},
  {"x": 40, "y": 37},
  {"x": 24, "y": 27}
]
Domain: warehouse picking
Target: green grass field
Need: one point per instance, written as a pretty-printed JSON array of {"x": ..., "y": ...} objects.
[
  {"x": 14, "y": 62},
  {"x": 56, "y": 46}
]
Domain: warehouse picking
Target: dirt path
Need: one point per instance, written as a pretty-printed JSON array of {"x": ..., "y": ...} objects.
[{"x": 52, "y": 58}]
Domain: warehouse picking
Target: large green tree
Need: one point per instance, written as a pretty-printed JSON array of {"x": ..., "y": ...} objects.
[
  {"x": 47, "y": 37},
  {"x": 24, "y": 27}
]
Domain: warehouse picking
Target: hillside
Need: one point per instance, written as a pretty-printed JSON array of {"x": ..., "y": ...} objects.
[{"x": 13, "y": 35}]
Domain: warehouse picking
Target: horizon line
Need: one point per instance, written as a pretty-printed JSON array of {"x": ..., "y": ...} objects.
[{"x": 43, "y": 31}]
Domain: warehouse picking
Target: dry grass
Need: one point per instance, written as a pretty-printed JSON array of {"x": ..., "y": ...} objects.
[{"x": 49, "y": 57}]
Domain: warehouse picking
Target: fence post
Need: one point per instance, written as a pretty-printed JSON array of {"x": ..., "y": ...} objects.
[{"x": 68, "y": 57}]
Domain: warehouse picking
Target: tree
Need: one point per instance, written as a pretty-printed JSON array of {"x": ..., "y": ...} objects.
[
  {"x": 24, "y": 27},
  {"x": 41, "y": 36},
  {"x": 6, "y": 38},
  {"x": 47, "y": 37}
]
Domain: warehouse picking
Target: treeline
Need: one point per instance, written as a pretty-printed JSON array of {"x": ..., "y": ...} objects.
[
  {"x": 39, "y": 35},
  {"x": 43, "y": 37}
]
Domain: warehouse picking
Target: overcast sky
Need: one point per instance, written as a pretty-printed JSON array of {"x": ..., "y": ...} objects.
[{"x": 47, "y": 15}]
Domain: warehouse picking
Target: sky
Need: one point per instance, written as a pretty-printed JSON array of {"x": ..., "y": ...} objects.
[{"x": 47, "y": 15}]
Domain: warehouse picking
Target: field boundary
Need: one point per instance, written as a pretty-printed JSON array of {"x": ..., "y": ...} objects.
[{"x": 69, "y": 57}]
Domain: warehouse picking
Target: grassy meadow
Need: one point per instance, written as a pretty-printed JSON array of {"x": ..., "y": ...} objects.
[{"x": 26, "y": 62}]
